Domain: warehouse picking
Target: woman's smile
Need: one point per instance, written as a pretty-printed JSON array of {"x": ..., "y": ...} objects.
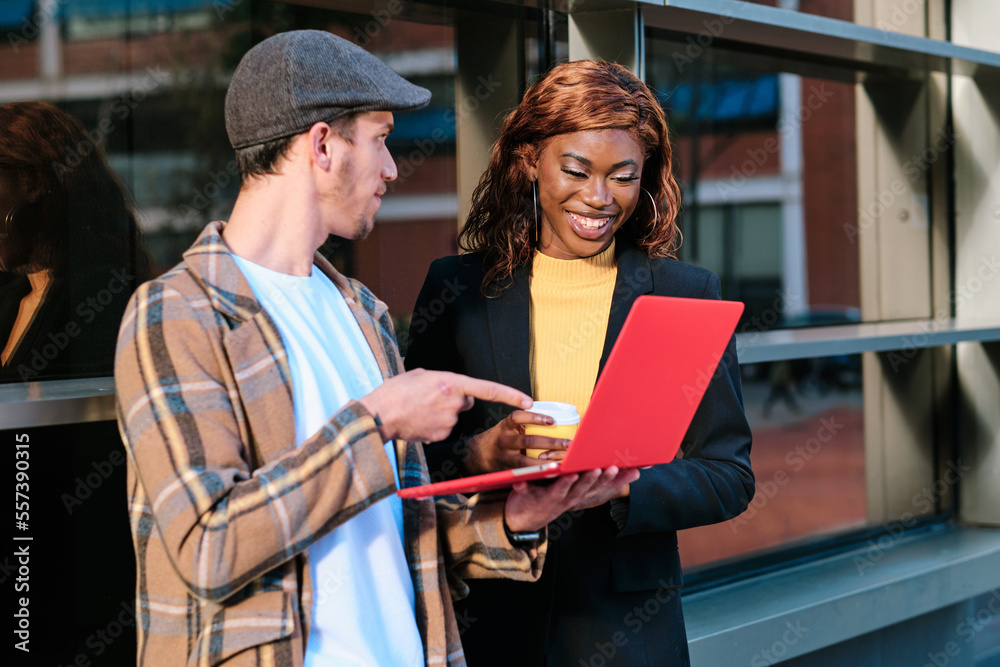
[
  {"x": 586, "y": 225},
  {"x": 588, "y": 186}
]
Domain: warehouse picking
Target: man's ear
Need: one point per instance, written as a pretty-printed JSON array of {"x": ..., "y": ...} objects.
[{"x": 320, "y": 140}]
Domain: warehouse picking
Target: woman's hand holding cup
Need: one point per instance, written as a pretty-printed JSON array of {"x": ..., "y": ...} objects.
[
  {"x": 565, "y": 421},
  {"x": 502, "y": 447}
]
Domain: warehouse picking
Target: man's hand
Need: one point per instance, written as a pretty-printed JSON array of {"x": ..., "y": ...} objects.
[
  {"x": 531, "y": 507},
  {"x": 424, "y": 405},
  {"x": 500, "y": 447}
]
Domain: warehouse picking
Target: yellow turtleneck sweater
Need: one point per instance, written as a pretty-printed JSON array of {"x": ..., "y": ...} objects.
[{"x": 570, "y": 304}]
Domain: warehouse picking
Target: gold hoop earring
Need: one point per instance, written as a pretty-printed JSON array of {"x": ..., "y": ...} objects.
[
  {"x": 534, "y": 206},
  {"x": 8, "y": 221},
  {"x": 656, "y": 216}
]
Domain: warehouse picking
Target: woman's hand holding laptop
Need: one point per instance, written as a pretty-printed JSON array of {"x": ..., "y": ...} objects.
[{"x": 531, "y": 506}]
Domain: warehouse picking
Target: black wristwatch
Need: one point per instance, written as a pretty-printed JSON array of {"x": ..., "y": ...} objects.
[{"x": 521, "y": 539}]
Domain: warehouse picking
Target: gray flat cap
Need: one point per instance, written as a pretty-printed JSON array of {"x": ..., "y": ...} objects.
[{"x": 293, "y": 80}]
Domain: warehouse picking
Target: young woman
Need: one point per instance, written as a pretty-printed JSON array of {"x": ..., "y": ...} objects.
[
  {"x": 572, "y": 221},
  {"x": 71, "y": 252}
]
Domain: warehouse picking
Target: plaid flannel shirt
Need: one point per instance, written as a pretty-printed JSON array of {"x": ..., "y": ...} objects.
[{"x": 223, "y": 506}]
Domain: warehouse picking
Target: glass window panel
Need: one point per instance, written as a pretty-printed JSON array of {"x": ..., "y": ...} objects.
[
  {"x": 768, "y": 167},
  {"x": 834, "y": 9},
  {"x": 706, "y": 245},
  {"x": 807, "y": 419},
  {"x": 758, "y": 235},
  {"x": 767, "y": 160},
  {"x": 147, "y": 83},
  {"x": 905, "y": 16},
  {"x": 71, "y": 251},
  {"x": 13, "y": 13}
]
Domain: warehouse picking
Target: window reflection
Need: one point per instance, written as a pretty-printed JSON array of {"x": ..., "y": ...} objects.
[
  {"x": 147, "y": 82},
  {"x": 768, "y": 164},
  {"x": 834, "y": 9},
  {"x": 769, "y": 169},
  {"x": 807, "y": 419},
  {"x": 71, "y": 253}
]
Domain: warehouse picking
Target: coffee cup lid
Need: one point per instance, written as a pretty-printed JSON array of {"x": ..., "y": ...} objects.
[{"x": 562, "y": 413}]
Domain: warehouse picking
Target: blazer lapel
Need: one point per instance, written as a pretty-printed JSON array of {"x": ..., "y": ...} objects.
[
  {"x": 507, "y": 320},
  {"x": 253, "y": 345},
  {"x": 635, "y": 277},
  {"x": 260, "y": 367}
]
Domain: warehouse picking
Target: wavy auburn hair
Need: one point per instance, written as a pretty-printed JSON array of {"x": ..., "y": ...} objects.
[
  {"x": 572, "y": 97},
  {"x": 71, "y": 212}
]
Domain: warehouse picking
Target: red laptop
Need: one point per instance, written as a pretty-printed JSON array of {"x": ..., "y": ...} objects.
[{"x": 644, "y": 400}]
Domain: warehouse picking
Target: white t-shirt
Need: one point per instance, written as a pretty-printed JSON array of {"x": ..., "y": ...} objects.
[{"x": 363, "y": 600}]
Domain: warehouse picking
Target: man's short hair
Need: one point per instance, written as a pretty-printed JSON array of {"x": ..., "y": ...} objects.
[{"x": 263, "y": 159}]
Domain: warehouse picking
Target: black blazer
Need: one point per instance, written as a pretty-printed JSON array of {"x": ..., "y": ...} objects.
[
  {"x": 605, "y": 591},
  {"x": 73, "y": 333}
]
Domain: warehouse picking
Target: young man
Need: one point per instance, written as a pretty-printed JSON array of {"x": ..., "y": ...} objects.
[{"x": 264, "y": 411}]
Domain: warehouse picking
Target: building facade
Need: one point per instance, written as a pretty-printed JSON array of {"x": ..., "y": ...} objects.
[{"x": 840, "y": 168}]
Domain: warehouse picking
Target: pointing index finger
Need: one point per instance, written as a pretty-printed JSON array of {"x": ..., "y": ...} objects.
[{"x": 493, "y": 391}]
